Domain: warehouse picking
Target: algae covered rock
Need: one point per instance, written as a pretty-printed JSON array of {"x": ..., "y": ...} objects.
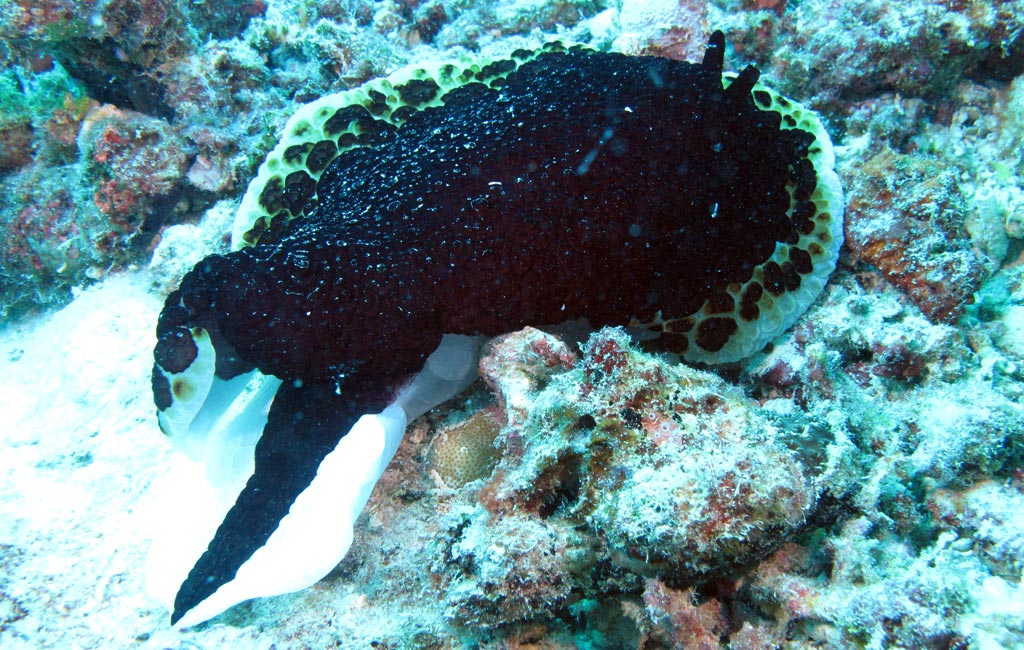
[{"x": 649, "y": 469}]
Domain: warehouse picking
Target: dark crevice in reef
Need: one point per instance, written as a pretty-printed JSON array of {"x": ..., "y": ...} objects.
[
  {"x": 1000, "y": 63},
  {"x": 112, "y": 81}
]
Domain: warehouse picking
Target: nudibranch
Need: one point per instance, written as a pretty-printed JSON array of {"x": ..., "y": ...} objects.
[{"x": 398, "y": 221}]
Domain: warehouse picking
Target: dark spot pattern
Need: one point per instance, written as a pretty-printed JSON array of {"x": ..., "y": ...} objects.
[
  {"x": 714, "y": 333},
  {"x": 402, "y": 113},
  {"x": 806, "y": 179},
  {"x": 272, "y": 197},
  {"x": 498, "y": 68},
  {"x": 161, "y": 390},
  {"x": 721, "y": 302},
  {"x": 296, "y": 153},
  {"x": 298, "y": 187},
  {"x": 343, "y": 117},
  {"x": 175, "y": 350},
  {"x": 321, "y": 155},
  {"x": 749, "y": 311},
  {"x": 180, "y": 388},
  {"x": 774, "y": 283},
  {"x": 347, "y": 140},
  {"x": 801, "y": 260},
  {"x": 378, "y": 104},
  {"x": 418, "y": 91},
  {"x": 675, "y": 342},
  {"x": 790, "y": 278},
  {"x": 373, "y": 133}
]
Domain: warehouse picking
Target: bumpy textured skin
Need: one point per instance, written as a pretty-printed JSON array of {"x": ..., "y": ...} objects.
[{"x": 580, "y": 184}]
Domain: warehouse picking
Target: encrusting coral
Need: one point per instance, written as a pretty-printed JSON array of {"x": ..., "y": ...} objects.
[{"x": 465, "y": 451}]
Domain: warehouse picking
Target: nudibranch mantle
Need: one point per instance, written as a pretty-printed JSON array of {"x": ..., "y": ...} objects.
[{"x": 402, "y": 219}]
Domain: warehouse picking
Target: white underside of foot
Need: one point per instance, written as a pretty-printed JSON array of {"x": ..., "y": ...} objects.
[{"x": 317, "y": 531}]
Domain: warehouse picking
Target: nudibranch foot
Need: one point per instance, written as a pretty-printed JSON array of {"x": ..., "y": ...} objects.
[
  {"x": 475, "y": 197},
  {"x": 292, "y": 522},
  {"x": 304, "y": 425}
]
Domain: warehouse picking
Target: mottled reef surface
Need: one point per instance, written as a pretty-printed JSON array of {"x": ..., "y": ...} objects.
[{"x": 857, "y": 484}]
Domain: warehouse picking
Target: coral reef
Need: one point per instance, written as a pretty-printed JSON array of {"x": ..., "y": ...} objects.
[
  {"x": 178, "y": 120},
  {"x": 919, "y": 50},
  {"x": 662, "y": 28},
  {"x": 857, "y": 484},
  {"x": 596, "y": 503},
  {"x": 512, "y": 569},
  {"x": 60, "y": 233},
  {"x": 990, "y": 514}
]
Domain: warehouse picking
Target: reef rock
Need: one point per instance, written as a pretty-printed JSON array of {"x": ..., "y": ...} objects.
[
  {"x": 669, "y": 469},
  {"x": 907, "y": 220}
]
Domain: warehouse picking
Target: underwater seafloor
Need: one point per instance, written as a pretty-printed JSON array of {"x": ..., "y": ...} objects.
[{"x": 857, "y": 484}]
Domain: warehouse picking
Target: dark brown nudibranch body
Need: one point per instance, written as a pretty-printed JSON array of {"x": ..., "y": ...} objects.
[{"x": 476, "y": 198}]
